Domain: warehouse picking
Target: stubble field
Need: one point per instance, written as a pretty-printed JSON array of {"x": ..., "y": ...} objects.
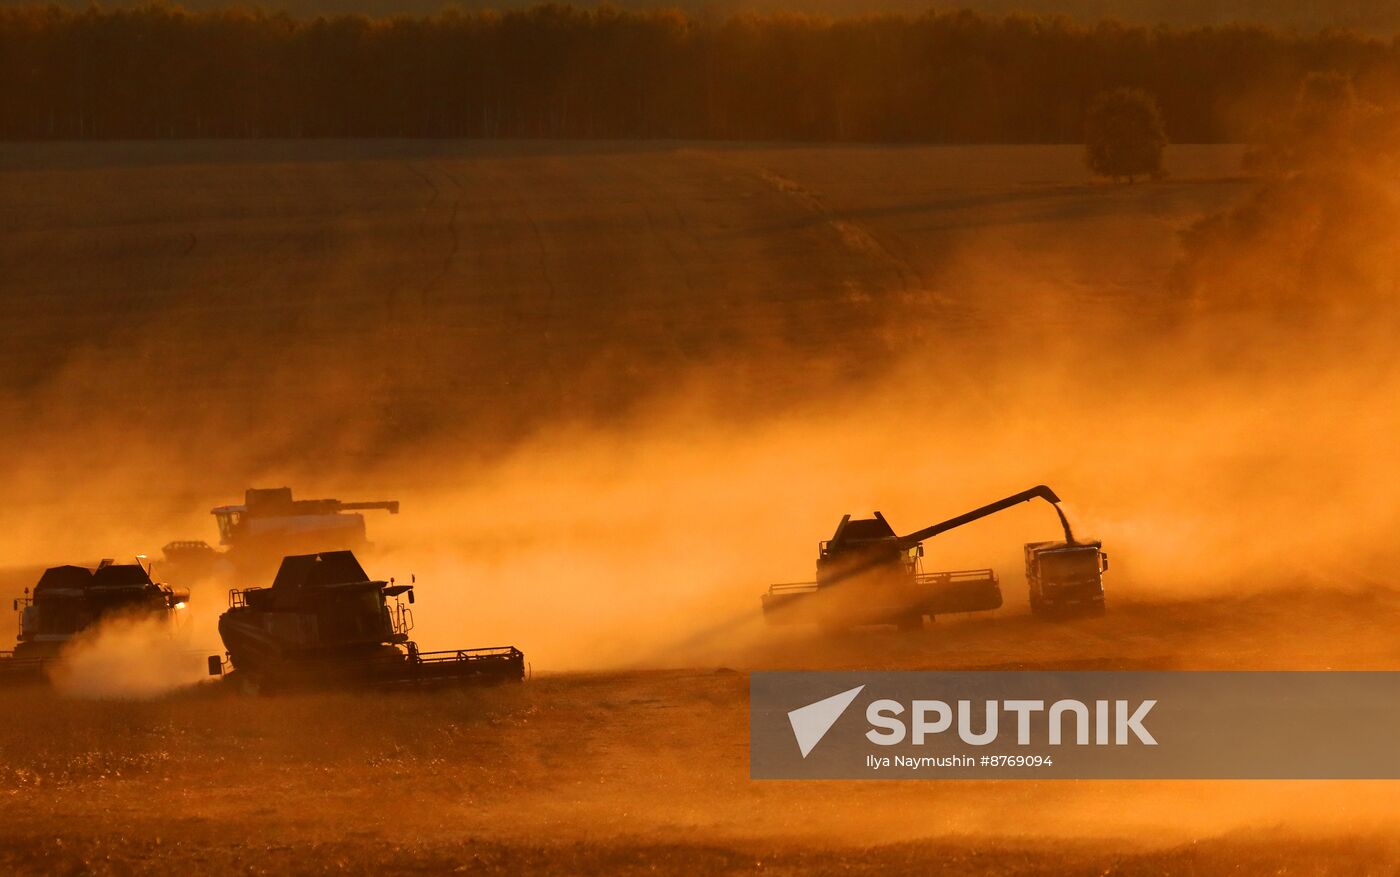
[{"x": 620, "y": 387}]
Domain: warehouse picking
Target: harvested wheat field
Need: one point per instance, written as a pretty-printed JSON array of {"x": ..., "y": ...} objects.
[{"x": 620, "y": 387}]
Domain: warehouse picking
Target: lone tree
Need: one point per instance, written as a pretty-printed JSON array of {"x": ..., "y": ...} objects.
[{"x": 1124, "y": 135}]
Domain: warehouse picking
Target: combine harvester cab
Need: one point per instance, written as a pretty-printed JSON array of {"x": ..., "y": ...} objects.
[
  {"x": 68, "y": 600},
  {"x": 269, "y": 525},
  {"x": 867, "y": 574},
  {"x": 325, "y": 624},
  {"x": 1065, "y": 578}
]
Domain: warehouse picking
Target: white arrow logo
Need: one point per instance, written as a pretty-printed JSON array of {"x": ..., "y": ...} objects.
[{"x": 811, "y": 722}]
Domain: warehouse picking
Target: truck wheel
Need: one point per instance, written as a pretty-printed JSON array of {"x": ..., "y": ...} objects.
[{"x": 1038, "y": 607}]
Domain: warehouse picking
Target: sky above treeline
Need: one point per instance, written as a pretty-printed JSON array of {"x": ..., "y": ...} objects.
[{"x": 1371, "y": 16}]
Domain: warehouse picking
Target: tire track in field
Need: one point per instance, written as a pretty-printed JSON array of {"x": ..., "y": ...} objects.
[
  {"x": 854, "y": 237},
  {"x": 432, "y": 200},
  {"x": 890, "y": 284},
  {"x": 651, "y": 188},
  {"x": 395, "y": 294},
  {"x": 671, "y": 315},
  {"x": 454, "y": 239},
  {"x": 544, "y": 355},
  {"x": 453, "y": 234}
]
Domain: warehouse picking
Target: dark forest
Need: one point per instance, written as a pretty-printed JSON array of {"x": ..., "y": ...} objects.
[{"x": 563, "y": 72}]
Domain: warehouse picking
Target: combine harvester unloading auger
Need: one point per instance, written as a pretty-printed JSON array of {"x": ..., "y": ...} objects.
[
  {"x": 867, "y": 574},
  {"x": 70, "y": 600},
  {"x": 325, "y": 624}
]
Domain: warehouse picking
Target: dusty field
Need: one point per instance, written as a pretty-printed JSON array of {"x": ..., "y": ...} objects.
[
  {"x": 647, "y": 771},
  {"x": 223, "y": 306},
  {"x": 620, "y": 388},
  {"x": 575, "y": 363}
]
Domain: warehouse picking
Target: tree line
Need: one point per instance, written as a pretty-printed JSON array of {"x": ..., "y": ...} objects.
[{"x": 557, "y": 71}]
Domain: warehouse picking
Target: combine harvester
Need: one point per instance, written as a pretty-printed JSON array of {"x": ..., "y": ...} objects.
[
  {"x": 68, "y": 600},
  {"x": 269, "y": 525},
  {"x": 867, "y": 574},
  {"x": 325, "y": 624}
]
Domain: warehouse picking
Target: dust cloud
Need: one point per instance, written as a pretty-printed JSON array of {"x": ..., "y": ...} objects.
[
  {"x": 128, "y": 658},
  {"x": 1231, "y": 437},
  {"x": 605, "y": 546},
  {"x": 1229, "y": 433}
]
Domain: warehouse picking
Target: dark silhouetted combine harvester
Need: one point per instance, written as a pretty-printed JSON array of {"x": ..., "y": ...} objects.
[
  {"x": 69, "y": 600},
  {"x": 268, "y": 525},
  {"x": 325, "y": 623}
]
